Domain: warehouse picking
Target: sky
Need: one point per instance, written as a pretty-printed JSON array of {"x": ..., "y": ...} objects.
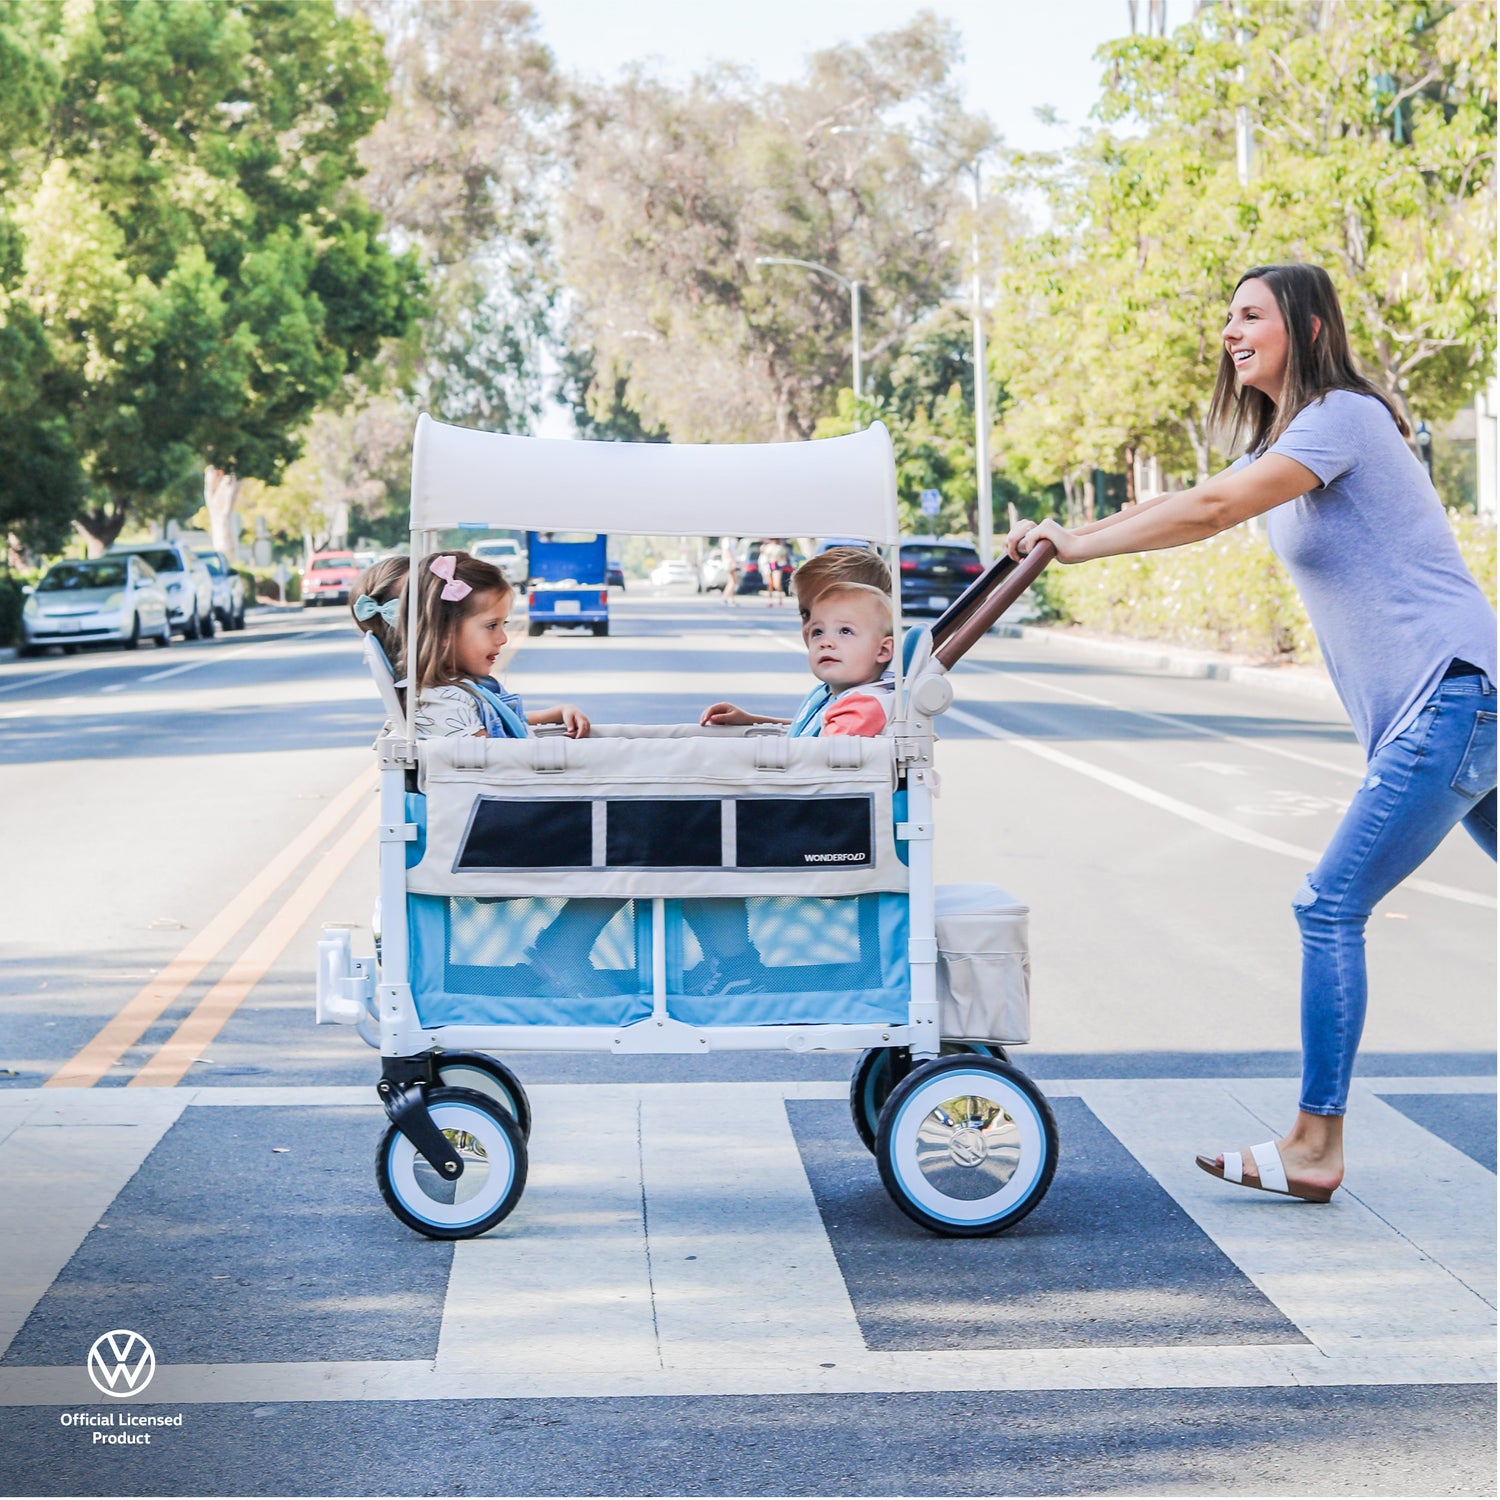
[{"x": 1020, "y": 56}]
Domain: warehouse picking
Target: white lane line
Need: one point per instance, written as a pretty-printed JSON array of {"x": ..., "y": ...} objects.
[
  {"x": 213, "y": 655},
  {"x": 1174, "y": 722},
  {"x": 1203, "y": 818}
]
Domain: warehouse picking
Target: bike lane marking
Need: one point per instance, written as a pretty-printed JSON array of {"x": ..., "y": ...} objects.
[{"x": 1225, "y": 827}]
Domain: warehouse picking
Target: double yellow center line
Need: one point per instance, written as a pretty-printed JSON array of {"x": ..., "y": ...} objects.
[{"x": 206, "y": 1019}]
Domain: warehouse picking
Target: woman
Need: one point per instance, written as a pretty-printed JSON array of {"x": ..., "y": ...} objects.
[
  {"x": 1407, "y": 635},
  {"x": 731, "y": 569}
]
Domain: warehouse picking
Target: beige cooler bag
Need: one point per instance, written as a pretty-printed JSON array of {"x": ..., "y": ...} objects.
[{"x": 984, "y": 968}]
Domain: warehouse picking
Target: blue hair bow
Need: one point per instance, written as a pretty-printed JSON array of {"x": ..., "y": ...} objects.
[{"x": 365, "y": 608}]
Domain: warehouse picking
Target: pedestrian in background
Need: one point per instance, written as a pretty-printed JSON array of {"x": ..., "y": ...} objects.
[
  {"x": 1406, "y": 633},
  {"x": 731, "y": 570}
]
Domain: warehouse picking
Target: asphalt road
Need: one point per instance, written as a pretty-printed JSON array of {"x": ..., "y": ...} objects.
[{"x": 181, "y": 824}]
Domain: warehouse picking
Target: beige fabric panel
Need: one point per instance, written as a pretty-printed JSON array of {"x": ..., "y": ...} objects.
[{"x": 455, "y": 773}]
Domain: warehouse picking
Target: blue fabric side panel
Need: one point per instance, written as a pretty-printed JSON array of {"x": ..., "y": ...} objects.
[
  {"x": 888, "y": 1003},
  {"x": 416, "y": 812},
  {"x": 898, "y": 815},
  {"x": 437, "y": 1005}
]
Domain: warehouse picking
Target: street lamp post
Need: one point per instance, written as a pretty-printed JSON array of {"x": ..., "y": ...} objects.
[
  {"x": 983, "y": 494},
  {"x": 983, "y": 499},
  {"x": 850, "y": 286}
]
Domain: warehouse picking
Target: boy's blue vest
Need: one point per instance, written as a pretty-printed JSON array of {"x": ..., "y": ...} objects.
[{"x": 808, "y": 720}]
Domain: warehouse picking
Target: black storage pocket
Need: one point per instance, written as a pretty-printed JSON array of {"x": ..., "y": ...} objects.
[
  {"x": 797, "y": 833},
  {"x": 664, "y": 833},
  {"x": 551, "y": 834}
]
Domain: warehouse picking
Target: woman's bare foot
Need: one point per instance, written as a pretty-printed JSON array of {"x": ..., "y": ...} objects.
[{"x": 1312, "y": 1154}]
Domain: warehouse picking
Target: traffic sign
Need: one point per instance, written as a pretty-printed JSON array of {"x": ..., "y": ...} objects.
[{"x": 932, "y": 502}]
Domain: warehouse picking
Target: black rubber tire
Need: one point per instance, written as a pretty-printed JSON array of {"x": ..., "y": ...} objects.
[
  {"x": 1039, "y": 1162},
  {"x": 602, "y": 628},
  {"x": 880, "y": 1069},
  {"x": 133, "y": 640},
  {"x": 192, "y": 628},
  {"x": 534, "y": 629},
  {"x": 239, "y": 619},
  {"x": 25, "y": 652},
  {"x": 210, "y": 625},
  {"x": 165, "y": 638},
  {"x": 497, "y": 1081},
  {"x": 463, "y": 1101}
]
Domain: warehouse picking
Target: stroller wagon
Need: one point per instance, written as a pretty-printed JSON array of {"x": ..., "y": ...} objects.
[{"x": 705, "y": 888}]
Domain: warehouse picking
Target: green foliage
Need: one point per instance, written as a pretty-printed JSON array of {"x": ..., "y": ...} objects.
[
  {"x": 202, "y": 272},
  {"x": 11, "y": 602},
  {"x": 678, "y": 192},
  {"x": 1226, "y": 594},
  {"x": 1374, "y": 154}
]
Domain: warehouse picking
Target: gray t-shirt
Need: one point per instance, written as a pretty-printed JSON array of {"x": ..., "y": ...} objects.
[{"x": 1376, "y": 564}]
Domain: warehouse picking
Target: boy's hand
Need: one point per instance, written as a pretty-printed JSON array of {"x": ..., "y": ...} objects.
[
  {"x": 726, "y": 713},
  {"x": 573, "y": 720}
]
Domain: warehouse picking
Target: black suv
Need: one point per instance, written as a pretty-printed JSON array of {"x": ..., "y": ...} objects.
[{"x": 934, "y": 574}]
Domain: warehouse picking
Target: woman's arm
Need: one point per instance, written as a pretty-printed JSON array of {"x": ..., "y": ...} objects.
[{"x": 1175, "y": 520}]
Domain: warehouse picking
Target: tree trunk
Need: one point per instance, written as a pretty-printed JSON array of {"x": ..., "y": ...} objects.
[
  {"x": 221, "y": 494},
  {"x": 102, "y": 526},
  {"x": 1132, "y": 494},
  {"x": 1197, "y": 436}
]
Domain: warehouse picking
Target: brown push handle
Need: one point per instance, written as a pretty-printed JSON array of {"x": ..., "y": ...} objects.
[{"x": 985, "y": 601}]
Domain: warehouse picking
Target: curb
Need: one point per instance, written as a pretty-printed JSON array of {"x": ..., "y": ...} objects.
[{"x": 1309, "y": 683}]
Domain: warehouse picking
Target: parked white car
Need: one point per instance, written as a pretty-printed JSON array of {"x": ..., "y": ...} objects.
[
  {"x": 189, "y": 585},
  {"x": 506, "y": 554},
  {"x": 117, "y": 599},
  {"x": 229, "y": 590},
  {"x": 673, "y": 570}
]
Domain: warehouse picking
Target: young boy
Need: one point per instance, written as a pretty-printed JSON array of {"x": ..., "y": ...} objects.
[
  {"x": 849, "y": 645},
  {"x": 837, "y": 565}
]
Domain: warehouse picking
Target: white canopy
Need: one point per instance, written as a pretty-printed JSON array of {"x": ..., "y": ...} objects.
[{"x": 844, "y": 486}]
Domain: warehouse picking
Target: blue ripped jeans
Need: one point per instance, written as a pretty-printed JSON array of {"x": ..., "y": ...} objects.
[{"x": 1438, "y": 772}]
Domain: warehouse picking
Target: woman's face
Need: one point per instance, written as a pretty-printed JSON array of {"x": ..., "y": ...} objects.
[{"x": 1256, "y": 338}]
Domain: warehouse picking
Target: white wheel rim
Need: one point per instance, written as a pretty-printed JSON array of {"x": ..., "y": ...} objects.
[
  {"x": 489, "y": 1168},
  {"x": 979, "y": 1151}
]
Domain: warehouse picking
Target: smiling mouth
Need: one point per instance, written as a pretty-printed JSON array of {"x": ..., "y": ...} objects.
[{"x": 1241, "y": 356}]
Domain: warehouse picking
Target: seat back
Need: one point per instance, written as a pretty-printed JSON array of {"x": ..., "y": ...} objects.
[{"x": 385, "y": 679}]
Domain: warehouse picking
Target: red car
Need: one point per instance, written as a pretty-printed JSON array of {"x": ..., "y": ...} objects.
[{"x": 329, "y": 578}]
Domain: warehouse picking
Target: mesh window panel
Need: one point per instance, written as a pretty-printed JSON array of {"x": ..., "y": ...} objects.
[
  {"x": 546, "y": 946},
  {"x": 778, "y": 943}
]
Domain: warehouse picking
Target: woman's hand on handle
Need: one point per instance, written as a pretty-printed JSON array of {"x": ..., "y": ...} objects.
[{"x": 1069, "y": 546}]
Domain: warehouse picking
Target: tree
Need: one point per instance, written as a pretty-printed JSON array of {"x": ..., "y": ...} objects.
[
  {"x": 1374, "y": 156},
  {"x": 204, "y": 271},
  {"x": 677, "y": 192}
]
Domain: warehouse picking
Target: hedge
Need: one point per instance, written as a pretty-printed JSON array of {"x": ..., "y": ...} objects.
[{"x": 1227, "y": 594}]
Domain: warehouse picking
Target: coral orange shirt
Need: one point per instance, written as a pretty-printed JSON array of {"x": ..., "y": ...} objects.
[{"x": 857, "y": 712}]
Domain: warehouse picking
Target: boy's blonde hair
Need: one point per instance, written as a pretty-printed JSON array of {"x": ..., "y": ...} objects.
[
  {"x": 384, "y": 581},
  {"x": 862, "y": 565},
  {"x": 438, "y": 618},
  {"x": 864, "y": 591}
]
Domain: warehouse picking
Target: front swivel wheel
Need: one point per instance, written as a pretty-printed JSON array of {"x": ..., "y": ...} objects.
[
  {"x": 493, "y": 1151},
  {"x": 967, "y": 1145},
  {"x": 880, "y": 1069}
]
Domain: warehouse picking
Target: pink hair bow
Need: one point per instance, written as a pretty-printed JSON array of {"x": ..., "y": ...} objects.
[{"x": 454, "y": 589}]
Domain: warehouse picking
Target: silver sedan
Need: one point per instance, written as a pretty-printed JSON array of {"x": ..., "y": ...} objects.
[{"x": 116, "y": 599}]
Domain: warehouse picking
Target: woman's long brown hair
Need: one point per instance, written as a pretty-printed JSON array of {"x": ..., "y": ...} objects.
[
  {"x": 1318, "y": 360},
  {"x": 438, "y": 619}
]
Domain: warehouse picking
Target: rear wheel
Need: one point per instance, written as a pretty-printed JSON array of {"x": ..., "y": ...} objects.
[
  {"x": 165, "y": 638},
  {"x": 602, "y": 628},
  {"x": 967, "y": 1146},
  {"x": 493, "y": 1151},
  {"x": 209, "y": 625},
  {"x": 489, "y": 1076},
  {"x": 192, "y": 627},
  {"x": 535, "y": 628},
  {"x": 133, "y": 640},
  {"x": 880, "y": 1069}
]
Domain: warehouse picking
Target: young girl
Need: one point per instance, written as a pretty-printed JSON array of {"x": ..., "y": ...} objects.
[
  {"x": 461, "y": 616},
  {"x": 376, "y": 605}
]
